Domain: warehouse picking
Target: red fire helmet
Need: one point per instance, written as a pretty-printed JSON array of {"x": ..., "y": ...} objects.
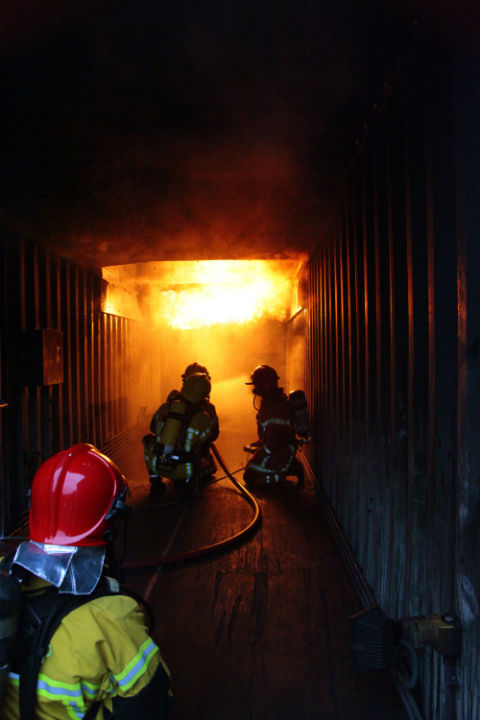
[
  {"x": 263, "y": 378},
  {"x": 76, "y": 496}
]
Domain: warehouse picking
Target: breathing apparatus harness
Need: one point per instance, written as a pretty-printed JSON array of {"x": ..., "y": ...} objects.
[
  {"x": 297, "y": 403},
  {"x": 298, "y": 407},
  {"x": 264, "y": 380},
  {"x": 170, "y": 449},
  {"x": 183, "y": 406},
  {"x": 27, "y": 625}
]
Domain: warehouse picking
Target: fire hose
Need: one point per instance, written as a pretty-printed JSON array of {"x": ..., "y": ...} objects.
[{"x": 191, "y": 555}]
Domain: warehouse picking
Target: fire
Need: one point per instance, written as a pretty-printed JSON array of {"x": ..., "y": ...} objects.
[{"x": 194, "y": 294}]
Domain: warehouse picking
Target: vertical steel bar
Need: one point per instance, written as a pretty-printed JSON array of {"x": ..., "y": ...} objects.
[
  {"x": 46, "y": 392},
  {"x": 411, "y": 358},
  {"x": 67, "y": 346},
  {"x": 377, "y": 468},
  {"x": 336, "y": 359},
  {"x": 76, "y": 357},
  {"x": 393, "y": 356},
  {"x": 351, "y": 326},
  {"x": 58, "y": 414}
]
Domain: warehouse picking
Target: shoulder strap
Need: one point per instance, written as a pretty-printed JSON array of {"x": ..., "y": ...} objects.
[
  {"x": 46, "y": 611},
  {"x": 58, "y": 607},
  {"x": 38, "y": 639},
  {"x": 191, "y": 411},
  {"x": 6, "y": 561}
]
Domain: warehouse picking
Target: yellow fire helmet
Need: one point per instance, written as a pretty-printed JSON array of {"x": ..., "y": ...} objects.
[
  {"x": 195, "y": 368},
  {"x": 195, "y": 388}
]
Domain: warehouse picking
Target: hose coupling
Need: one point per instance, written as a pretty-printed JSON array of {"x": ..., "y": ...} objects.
[{"x": 441, "y": 631}]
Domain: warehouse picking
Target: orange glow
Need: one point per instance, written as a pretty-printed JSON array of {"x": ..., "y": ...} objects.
[{"x": 194, "y": 294}]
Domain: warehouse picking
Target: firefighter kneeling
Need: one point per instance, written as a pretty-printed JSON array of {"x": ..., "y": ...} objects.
[
  {"x": 279, "y": 421},
  {"x": 81, "y": 648},
  {"x": 181, "y": 432}
]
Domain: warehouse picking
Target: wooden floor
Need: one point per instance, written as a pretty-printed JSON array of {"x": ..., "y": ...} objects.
[{"x": 259, "y": 632}]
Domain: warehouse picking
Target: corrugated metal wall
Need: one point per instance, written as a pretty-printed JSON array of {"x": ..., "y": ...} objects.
[
  {"x": 394, "y": 371},
  {"x": 102, "y": 386}
]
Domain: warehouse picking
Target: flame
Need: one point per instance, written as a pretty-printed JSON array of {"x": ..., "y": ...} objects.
[{"x": 194, "y": 294}]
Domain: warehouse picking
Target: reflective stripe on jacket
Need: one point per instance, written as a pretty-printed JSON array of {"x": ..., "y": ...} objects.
[
  {"x": 276, "y": 433},
  {"x": 194, "y": 436},
  {"x": 99, "y": 651}
]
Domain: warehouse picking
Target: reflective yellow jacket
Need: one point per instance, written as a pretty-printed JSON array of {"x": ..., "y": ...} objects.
[
  {"x": 100, "y": 650},
  {"x": 195, "y": 435}
]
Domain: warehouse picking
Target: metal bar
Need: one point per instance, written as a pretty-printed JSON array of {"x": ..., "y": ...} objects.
[
  {"x": 57, "y": 406},
  {"x": 378, "y": 468},
  {"x": 392, "y": 344},
  {"x": 67, "y": 346}
]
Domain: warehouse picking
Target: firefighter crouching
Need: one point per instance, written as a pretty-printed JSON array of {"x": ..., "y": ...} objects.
[
  {"x": 274, "y": 453},
  {"x": 182, "y": 429},
  {"x": 195, "y": 369},
  {"x": 81, "y": 648},
  {"x": 208, "y": 463}
]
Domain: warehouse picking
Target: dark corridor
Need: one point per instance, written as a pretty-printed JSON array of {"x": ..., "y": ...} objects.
[{"x": 266, "y": 632}]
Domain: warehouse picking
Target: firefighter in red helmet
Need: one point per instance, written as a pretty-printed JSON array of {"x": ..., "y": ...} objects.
[
  {"x": 274, "y": 453},
  {"x": 181, "y": 432},
  {"x": 97, "y": 656}
]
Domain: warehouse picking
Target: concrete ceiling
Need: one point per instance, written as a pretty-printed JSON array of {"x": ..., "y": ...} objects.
[{"x": 138, "y": 131}]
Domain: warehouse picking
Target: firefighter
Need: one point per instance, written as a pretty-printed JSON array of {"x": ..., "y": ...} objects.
[
  {"x": 274, "y": 453},
  {"x": 100, "y": 658},
  {"x": 181, "y": 431},
  {"x": 206, "y": 405}
]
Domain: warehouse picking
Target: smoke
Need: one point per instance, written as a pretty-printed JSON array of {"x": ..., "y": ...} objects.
[
  {"x": 139, "y": 131},
  {"x": 230, "y": 351},
  {"x": 160, "y": 354}
]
